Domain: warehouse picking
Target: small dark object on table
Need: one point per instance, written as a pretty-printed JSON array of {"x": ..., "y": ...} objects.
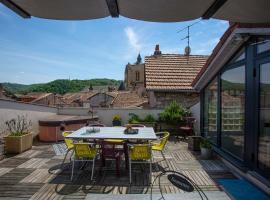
[{"x": 131, "y": 131}]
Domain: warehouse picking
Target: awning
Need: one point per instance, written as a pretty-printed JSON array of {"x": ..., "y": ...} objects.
[{"x": 244, "y": 11}]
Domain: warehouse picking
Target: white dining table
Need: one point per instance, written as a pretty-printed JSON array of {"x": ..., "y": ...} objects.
[{"x": 145, "y": 133}]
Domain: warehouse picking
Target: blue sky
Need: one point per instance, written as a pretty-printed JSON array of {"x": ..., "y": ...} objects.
[{"x": 38, "y": 50}]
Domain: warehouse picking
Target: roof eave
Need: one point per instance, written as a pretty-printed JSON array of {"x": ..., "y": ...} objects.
[{"x": 227, "y": 50}]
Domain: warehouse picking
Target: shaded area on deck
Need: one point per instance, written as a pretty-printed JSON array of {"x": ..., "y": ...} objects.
[{"x": 26, "y": 176}]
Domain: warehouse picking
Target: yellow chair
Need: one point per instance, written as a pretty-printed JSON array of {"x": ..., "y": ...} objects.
[
  {"x": 159, "y": 145},
  {"x": 84, "y": 152},
  {"x": 140, "y": 153},
  {"x": 69, "y": 145}
]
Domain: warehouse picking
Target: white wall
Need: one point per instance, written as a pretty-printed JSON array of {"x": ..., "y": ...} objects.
[
  {"x": 196, "y": 113},
  {"x": 105, "y": 115},
  {"x": 11, "y": 109}
]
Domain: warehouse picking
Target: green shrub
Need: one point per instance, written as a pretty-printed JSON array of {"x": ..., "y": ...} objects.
[
  {"x": 135, "y": 119},
  {"x": 174, "y": 113},
  {"x": 149, "y": 118},
  {"x": 205, "y": 143}
]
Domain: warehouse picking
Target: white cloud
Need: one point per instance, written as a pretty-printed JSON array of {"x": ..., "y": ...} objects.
[{"x": 133, "y": 39}]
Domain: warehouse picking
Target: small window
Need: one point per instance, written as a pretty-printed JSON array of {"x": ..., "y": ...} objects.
[
  {"x": 137, "y": 76},
  {"x": 264, "y": 46}
]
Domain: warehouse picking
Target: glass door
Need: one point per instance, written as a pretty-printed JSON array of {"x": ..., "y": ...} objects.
[{"x": 263, "y": 149}]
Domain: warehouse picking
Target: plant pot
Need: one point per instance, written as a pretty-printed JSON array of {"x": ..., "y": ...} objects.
[
  {"x": 116, "y": 123},
  {"x": 206, "y": 153},
  {"x": 18, "y": 144},
  {"x": 194, "y": 143}
]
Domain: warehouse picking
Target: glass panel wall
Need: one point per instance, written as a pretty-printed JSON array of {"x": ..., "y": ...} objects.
[
  {"x": 210, "y": 111},
  {"x": 233, "y": 110},
  {"x": 264, "y": 132},
  {"x": 265, "y": 46}
]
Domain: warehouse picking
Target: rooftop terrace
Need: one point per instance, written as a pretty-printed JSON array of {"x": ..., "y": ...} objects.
[{"x": 35, "y": 174}]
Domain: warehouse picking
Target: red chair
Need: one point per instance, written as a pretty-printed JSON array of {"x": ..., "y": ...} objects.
[
  {"x": 110, "y": 151},
  {"x": 187, "y": 130}
]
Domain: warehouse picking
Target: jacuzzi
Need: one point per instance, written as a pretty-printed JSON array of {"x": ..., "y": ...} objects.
[{"x": 50, "y": 128}]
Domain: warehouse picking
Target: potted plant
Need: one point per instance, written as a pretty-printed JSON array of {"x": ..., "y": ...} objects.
[
  {"x": 173, "y": 117},
  {"x": 206, "y": 149},
  {"x": 148, "y": 121},
  {"x": 20, "y": 137},
  {"x": 116, "y": 120}
]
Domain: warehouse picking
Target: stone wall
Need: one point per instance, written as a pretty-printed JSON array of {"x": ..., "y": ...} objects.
[
  {"x": 130, "y": 76},
  {"x": 11, "y": 109},
  {"x": 162, "y": 99}
]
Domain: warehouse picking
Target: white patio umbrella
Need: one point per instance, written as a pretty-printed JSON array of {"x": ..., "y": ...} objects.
[{"x": 245, "y": 11}]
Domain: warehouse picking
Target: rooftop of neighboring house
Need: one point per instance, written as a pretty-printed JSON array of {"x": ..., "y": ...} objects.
[
  {"x": 126, "y": 99},
  {"x": 35, "y": 96},
  {"x": 81, "y": 96},
  {"x": 172, "y": 72}
]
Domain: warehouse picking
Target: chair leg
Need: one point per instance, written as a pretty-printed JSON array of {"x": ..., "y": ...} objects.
[
  {"x": 129, "y": 171},
  {"x": 150, "y": 171},
  {"x": 72, "y": 170},
  {"x": 93, "y": 168},
  {"x": 165, "y": 159},
  {"x": 117, "y": 160},
  {"x": 62, "y": 164}
]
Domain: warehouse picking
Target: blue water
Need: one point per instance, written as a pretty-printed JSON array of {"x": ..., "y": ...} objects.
[{"x": 242, "y": 190}]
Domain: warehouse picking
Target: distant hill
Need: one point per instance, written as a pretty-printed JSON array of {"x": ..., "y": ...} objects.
[{"x": 60, "y": 86}]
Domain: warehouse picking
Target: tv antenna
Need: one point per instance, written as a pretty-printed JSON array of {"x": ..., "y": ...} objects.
[{"x": 188, "y": 49}]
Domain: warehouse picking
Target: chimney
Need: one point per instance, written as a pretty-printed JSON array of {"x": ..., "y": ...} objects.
[
  {"x": 157, "y": 51},
  {"x": 1, "y": 90}
]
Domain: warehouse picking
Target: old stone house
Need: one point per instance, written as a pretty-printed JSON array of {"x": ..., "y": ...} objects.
[
  {"x": 168, "y": 77},
  {"x": 134, "y": 75}
]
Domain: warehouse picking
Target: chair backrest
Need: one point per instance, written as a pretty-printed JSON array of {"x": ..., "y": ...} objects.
[
  {"x": 190, "y": 121},
  {"x": 136, "y": 125},
  {"x": 109, "y": 148},
  {"x": 163, "y": 140},
  {"x": 68, "y": 142},
  {"x": 84, "y": 150},
  {"x": 140, "y": 152}
]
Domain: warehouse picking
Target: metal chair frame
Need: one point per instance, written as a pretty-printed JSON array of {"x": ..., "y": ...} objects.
[{"x": 144, "y": 161}]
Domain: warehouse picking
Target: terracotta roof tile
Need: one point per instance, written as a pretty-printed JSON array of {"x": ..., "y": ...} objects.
[
  {"x": 172, "y": 71},
  {"x": 128, "y": 99}
]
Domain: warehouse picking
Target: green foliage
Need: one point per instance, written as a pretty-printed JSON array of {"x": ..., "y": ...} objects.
[
  {"x": 135, "y": 119},
  {"x": 174, "y": 113},
  {"x": 60, "y": 86},
  {"x": 149, "y": 118},
  {"x": 205, "y": 143},
  {"x": 18, "y": 126}
]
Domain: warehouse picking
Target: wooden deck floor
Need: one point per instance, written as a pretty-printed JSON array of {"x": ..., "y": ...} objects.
[{"x": 34, "y": 174}]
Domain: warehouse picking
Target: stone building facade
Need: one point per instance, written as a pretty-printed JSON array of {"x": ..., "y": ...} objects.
[
  {"x": 134, "y": 75},
  {"x": 163, "y": 99},
  {"x": 168, "y": 77}
]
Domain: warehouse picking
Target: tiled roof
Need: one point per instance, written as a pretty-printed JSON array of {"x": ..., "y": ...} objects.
[
  {"x": 81, "y": 96},
  {"x": 36, "y": 95},
  {"x": 172, "y": 71},
  {"x": 128, "y": 99}
]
